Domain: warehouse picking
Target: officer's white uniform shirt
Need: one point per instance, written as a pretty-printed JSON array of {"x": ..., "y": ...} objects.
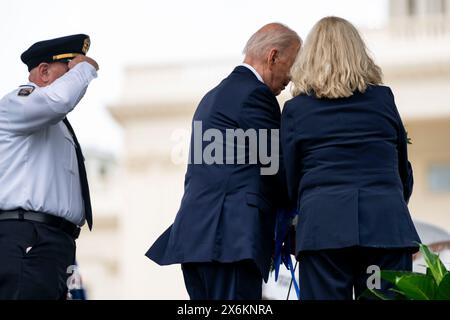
[{"x": 38, "y": 163}]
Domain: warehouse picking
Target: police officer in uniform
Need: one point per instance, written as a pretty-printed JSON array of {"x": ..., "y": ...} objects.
[{"x": 44, "y": 194}]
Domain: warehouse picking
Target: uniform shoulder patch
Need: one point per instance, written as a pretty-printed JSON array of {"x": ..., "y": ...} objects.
[{"x": 25, "y": 90}]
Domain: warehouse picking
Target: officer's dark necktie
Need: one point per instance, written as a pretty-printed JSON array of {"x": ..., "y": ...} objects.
[{"x": 83, "y": 176}]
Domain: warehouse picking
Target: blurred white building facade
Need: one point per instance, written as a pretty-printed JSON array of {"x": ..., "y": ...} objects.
[{"x": 137, "y": 196}]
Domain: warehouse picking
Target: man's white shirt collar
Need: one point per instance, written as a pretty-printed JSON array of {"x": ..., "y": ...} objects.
[{"x": 257, "y": 75}]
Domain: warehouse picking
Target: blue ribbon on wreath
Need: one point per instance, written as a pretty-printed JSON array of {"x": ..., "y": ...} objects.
[{"x": 282, "y": 253}]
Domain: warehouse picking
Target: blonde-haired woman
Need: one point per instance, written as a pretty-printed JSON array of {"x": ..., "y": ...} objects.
[{"x": 347, "y": 167}]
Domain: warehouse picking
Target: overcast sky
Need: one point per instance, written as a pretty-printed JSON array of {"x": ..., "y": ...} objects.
[{"x": 151, "y": 32}]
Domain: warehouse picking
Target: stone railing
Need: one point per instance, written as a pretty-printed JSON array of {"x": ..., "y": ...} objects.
[{"x": 429, "y": 26}]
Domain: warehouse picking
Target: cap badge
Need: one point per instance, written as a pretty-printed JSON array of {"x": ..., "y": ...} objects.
[{"x": 86, "y": 45}]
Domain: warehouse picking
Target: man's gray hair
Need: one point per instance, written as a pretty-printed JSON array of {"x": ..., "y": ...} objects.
[{"x": 273, "y": 35}]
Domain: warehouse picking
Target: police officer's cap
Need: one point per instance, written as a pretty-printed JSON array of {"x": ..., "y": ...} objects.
[{"x": 60, "y": 49}]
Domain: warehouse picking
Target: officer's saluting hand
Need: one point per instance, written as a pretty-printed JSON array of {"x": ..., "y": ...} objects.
[{"x": 81, "y": 58}]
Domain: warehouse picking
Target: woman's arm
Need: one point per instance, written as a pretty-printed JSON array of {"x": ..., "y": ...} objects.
[
  {"x": 290, "y": 153},
  {"x": 404, "y": 166}
]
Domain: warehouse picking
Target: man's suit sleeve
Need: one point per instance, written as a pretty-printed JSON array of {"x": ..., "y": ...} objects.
[
  {"x": 404, "y": 166},
  {"x": 262, "y": 111}
]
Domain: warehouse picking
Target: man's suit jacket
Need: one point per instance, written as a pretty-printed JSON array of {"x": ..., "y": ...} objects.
[
  {"x": 348, "y": 171},
  {"x": 227, "y": 212}
]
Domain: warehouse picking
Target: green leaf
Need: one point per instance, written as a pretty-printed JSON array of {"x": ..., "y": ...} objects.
[
  {"x": 378, "y": 294},
  {"x": 394, "y": 276},
  {"x": 400, "y": 294},
  {"x": 428, "y": 272},
  {"x": 443, "y": 292},
  {"x": 433, "y": 262},
  {"x": 408, "y": 139},
  {"x": 372, "y": 293},
  {"x": 417, "y": 286}
]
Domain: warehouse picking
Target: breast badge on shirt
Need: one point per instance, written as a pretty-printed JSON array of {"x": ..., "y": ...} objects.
[{"x": 25, "y": 91}]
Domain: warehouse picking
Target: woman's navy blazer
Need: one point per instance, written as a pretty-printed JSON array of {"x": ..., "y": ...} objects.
[{"x": 348, "y": 171}]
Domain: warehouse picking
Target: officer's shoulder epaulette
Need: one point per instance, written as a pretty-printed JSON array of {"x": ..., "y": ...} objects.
[{"x": 25, "y": 90}]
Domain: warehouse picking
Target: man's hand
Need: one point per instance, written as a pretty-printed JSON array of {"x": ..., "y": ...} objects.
[{"x": 81, "y": 58}]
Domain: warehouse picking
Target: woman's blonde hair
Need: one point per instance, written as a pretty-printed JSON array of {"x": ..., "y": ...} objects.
[{"x": 333, "y": 62}]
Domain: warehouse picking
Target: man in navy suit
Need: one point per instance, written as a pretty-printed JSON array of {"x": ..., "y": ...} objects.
[{"x": 223, "y": 232}]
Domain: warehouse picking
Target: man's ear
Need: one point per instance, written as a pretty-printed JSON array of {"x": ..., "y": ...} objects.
[
  {"x": 273, "y": 56},
  {"x": 43, "y": 71}
]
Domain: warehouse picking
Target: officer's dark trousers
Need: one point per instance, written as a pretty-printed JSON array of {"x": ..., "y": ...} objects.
[
  {"x": 34, "y": 259},
  {"x": 223, "y": 281},
  {"x": 337, "y": 274}
]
